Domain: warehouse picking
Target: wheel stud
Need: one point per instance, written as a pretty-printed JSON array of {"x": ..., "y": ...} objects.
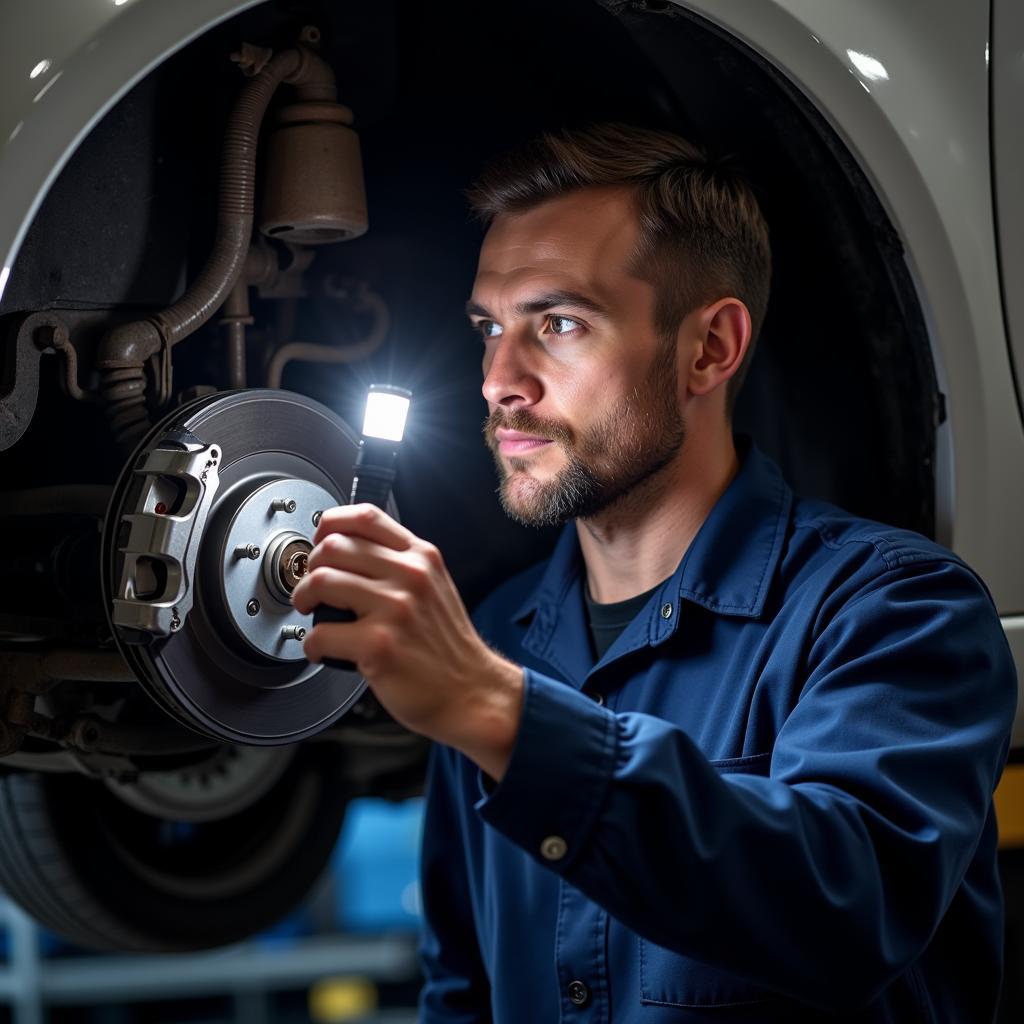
[
  {"x": 293, "y": 633},
  {"x": 283, "y": 505},
  {"x": 247, "y": 551}
]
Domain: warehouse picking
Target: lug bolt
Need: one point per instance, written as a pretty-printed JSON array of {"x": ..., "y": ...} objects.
[
  {"x": 283, "y": 505},
  {"x": 253, "y": 607},
  {"x": 316, "y": 518},
  {"x": 247, "y": 551},
  {"x": 293, "y": 633}
]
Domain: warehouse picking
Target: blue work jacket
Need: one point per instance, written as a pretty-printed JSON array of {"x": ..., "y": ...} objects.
[{"x": 770, "y": 800}]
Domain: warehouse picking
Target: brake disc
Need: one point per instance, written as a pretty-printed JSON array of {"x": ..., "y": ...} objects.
[{"x": 207, "y": 533}]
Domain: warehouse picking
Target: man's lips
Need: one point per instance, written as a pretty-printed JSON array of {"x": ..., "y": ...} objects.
[{"x": 514, "y": 442}]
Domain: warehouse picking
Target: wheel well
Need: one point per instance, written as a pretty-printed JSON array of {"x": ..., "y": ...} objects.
[{"x": 842, "y": 390}]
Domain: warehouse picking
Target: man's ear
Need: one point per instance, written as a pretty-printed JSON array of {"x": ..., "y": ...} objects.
[{"x": 723, "y": 337}]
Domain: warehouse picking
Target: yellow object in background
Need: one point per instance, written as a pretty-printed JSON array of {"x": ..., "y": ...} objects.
[
  {"x": 1009, "y": 799},
  {"x": 342, "y": 999}
]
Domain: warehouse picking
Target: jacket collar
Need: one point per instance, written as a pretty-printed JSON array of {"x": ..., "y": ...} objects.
[{"x": 727, "y": 569}]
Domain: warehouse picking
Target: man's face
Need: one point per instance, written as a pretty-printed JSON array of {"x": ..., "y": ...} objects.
[{"x": 583, "y": 394}]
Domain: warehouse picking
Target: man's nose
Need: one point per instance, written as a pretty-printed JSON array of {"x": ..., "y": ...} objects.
[{"x": 509, "y": 380}]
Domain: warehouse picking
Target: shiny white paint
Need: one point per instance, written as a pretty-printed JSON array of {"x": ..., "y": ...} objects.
[
  {"x": 1008, "y": 147},
  {"x": 1008, "y": 154},
  {"x": 906, "y": 87},
  {"x": 1014, "y": 627},
  {"x": 63, "y": 64}
]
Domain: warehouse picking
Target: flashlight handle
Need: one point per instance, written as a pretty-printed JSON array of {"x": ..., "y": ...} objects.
[
  {"x": 325, "y": 613},
  {"x": 374, "y": 472},
  {"x": 371, "y": 484}
]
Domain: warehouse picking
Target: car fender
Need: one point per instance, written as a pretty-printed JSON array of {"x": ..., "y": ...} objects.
[
  {"x": 63, "y": 65},
  {"x": 906, "y": 88}
]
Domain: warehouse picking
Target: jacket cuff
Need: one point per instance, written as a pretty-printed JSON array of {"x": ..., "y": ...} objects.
[{"x": 558, "y": 777}]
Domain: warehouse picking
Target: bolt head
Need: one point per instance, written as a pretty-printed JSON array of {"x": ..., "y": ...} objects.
[
  {"x": 253, "y": 607},
  {"x": 317, "y": 517}
]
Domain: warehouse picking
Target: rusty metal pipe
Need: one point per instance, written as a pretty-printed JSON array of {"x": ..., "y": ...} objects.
[
  {"x": 39, "y": 670},
  {"x": 26, "y": 674},
  {"x": 314, "y": 353},
  {"x": 91, "y": 734},
  {"x": 235, "y": 320},
  {"x": 125, "y": 350}
]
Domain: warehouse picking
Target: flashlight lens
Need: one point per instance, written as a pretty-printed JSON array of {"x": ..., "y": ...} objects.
[{"x": 385, "y": 415}]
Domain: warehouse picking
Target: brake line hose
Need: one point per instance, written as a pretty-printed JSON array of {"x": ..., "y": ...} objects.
[{"x": 123, "y": 353}]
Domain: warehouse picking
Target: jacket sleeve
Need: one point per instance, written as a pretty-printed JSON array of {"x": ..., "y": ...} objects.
[
  {"x": 456, "y": 988},
  {"x": 840, "y": 863}
]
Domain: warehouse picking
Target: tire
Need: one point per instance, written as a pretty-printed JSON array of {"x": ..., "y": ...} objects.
[{"x": 108, "y": 876}]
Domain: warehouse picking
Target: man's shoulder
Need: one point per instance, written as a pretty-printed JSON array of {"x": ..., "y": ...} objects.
[
  {"x": 837, "y": 557},
  {"x": 855, "y": 586},
  {"x": 842, "y": 535}
]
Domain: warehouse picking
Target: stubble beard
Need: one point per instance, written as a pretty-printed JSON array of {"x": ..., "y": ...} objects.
[{"x": 609, "y": 462}]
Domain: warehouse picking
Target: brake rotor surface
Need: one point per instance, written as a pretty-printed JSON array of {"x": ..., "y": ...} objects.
[{"x": 232, "y": 666}]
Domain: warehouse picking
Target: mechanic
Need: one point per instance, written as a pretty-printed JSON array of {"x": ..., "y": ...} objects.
[{"x": 728, "y": 754}]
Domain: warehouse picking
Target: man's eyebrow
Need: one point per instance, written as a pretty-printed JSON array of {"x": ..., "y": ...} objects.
[{"x": 542, "y": 303}]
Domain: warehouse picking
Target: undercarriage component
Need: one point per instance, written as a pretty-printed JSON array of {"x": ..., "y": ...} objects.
[
  {"x": 364, "y": 300},
  {"x": 233, "y": 668},
  {"x": 24, "y": 676},
  {"x": 176, "y": 481},
  {"x": 227, "y": 783},
  {"x": 19, "y": 373},
  {"x": 314, "y": 190},
  {"x": 48, "y": 561},
  {"x": 126, "y": 350},
  {"x": 151, "y": 869}
]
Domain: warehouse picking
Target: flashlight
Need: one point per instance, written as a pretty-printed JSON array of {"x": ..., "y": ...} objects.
[{"x": 383, "y": 427}]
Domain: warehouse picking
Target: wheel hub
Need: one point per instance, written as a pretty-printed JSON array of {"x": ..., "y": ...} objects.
[{"x": 262, "y": 557}]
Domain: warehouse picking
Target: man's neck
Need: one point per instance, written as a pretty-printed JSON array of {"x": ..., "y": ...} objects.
[{"x": 639, "y": 541}]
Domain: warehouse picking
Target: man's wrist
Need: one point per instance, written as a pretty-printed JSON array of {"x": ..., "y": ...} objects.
[{"x": 489, "y": 721}]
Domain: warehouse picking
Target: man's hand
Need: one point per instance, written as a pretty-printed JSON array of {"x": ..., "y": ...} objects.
[{"x": 412, "y": 638}]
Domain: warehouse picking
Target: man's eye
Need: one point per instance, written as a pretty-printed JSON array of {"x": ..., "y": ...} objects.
[
  {"x": 488, "y": 328},
  {"x": 562, "y": 324}
]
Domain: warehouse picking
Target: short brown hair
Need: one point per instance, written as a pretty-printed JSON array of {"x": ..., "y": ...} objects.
[{"x": 703, "y": 236}]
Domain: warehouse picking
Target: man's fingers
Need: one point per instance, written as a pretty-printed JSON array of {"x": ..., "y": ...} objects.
[
  {"x": 332, "y": 640},
  {"x": 366, "y": 521},
  {"x": 353, "y": 554},
  {"x": 333, "y": 587}
]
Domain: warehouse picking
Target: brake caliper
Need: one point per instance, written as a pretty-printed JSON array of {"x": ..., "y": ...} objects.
[{"x": 160, "y": 536}]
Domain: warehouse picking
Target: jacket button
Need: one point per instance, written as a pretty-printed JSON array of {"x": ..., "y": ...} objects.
[
  {"x": 579, "y": 993},
  {"x": 554, "y": 848},
  {"x": 666, "y": 611}
]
